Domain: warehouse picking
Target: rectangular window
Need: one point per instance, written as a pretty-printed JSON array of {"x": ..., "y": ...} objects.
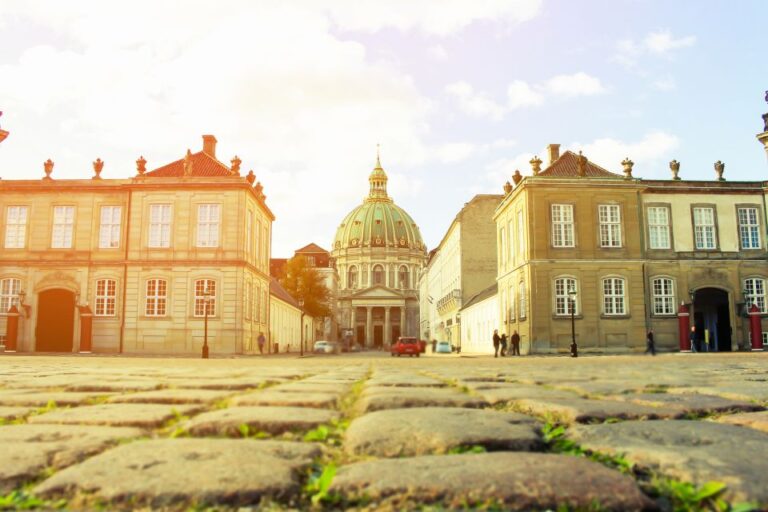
[
  {"x": 510, "y": 242},
  {"x": 658, "y": 227},
  {"x": 755, "y": 288},
  {"x": 562, "y": 225},
  {"x": 663, "y": 296},
  {"x": 749, "y": 228},
  {"x": 248, "y": 233},
  {"x": 613, "y": 296},
  {"x": 63, "y": 224},
  {"x": 523, "y": 300},
  {"x": 160, "y": 225},
  {"x": 503, "y": 247},
  {"x": 105, "y": 297},
  {"x": 15, "y": 227},
  {"x": 610, "y": 225},
  {"x": 201, "y": 285},
  {"x": 9, "y": 294},
  {"x": 704, "y": 228},
  {"x": 208, "y": 225},
  {"x": 247, "y": 300},
  {"x": 157, "y": 297},
  {"x": 520, "y": 233},
  {"x": 765, "y": 339},
  {"x": 109, "y": 228},
  {"x": 511, "y": 306},
  {"x": 564, "y": 301}
]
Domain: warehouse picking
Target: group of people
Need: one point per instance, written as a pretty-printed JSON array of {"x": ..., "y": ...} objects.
[{"x": 500, "y": 344}]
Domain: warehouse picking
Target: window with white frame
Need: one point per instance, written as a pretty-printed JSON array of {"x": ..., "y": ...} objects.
[
  {"x": 109, "y": 227},
  {"x": 563, "y": 299},
  {"x": 105, "y": 297},
  {"x": 520, "y": 233},
  {"x": 208, "y": 216},
  {"x": 523, "y": 300},
  {"x": 755, "y": 288},
  {"x": 15, "y": 227},
  {"x": 614, "y": 302},
  {"x": 247, "y": 300},
  {"x": 63, "y": 224},
  {"x": 704, "y": 228},
  {"x": 658, "y": 227},
  {"x": 156, "y": 297},
  {"x": 562, "y": 225},
  {"x": 9, "y": 293},
  {"x": 663, "y": 290},
  {"x": 749, "y": 228},
  {"x": 609, "y": 216},
  {"x": 201, "y": 285},
  {"x": 248, "y": 232},
  {"x": 160, "y": 225}
]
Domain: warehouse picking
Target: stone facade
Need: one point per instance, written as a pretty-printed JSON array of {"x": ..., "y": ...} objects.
[
  {"x": 479, "y": 317},
  {"x": 138, "y": 255}
]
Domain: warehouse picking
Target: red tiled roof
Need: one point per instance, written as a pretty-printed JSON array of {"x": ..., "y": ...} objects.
[
  {"x": 202, "y": 165},
  {"x": 567, "y": 166},
  {"x": 312, "y": 248},
  {"x": 276, "y": 289}
]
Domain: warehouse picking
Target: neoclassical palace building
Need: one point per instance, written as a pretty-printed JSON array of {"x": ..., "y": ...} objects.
[
  {"x": 128, "y": 265},
  {"x": 379, "y": 253}
]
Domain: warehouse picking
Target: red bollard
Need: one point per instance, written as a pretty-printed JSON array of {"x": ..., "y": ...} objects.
[
  {"x": 756, "y": 328},
  {"x": 12, "y": 329},
  {"x": 684, "y": 326}
]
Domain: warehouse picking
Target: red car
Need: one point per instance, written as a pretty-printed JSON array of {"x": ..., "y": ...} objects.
[{"x": 405, "y": 345}]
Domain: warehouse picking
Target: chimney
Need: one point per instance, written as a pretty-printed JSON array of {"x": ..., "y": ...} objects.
[
  {"x": 209, "y": 145},
  {"x": 554, "y": 152}
]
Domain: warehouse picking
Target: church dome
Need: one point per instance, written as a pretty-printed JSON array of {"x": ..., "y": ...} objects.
[{"x": 378, "y": 222}]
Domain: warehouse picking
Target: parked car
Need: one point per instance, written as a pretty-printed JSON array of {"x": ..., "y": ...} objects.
[
  {"x": 405, "y": 345},
  {"x": 319, "y": 347},
  {"x": 443, "y": 347},
  {"x": 332, "y": 347}
]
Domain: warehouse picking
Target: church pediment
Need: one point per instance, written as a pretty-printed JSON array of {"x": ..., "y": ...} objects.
[{"x": 377, "y": 292}]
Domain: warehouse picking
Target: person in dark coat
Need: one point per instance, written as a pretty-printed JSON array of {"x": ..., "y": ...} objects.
[
  {"x": 261, "y": 340},
  {"x": 651, "y": 347},
  {"x": 692, "y": 337},
  {"x": 515, "y": 339},
  {"x": 496, "y": 342},
  {"x": 503, "y": 345}
]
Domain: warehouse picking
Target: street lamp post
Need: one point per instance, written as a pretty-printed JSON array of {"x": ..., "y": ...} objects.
[
  {"x": 572, "y": 305},
  {"x": 301, "y": 348},
  {"x": 206, "y": 302}
]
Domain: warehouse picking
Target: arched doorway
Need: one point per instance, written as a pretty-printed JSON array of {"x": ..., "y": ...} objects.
[
  {"x": 711, "y": 314},
  {"x": 55, "y": 321}
]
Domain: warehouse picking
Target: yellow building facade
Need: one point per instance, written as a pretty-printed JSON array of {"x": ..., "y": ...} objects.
[{"x": 142, "y": 255}]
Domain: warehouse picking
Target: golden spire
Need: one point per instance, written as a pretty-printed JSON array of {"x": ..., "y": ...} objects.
[
  {"x": 378, "y": 179},
  {"x": 378, "y": 159}
]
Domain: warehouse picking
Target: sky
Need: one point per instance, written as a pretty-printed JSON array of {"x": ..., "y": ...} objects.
[{"x": 458, "y": 93}]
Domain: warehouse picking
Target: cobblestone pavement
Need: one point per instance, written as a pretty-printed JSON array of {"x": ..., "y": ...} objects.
[{"x": 365, "y": 431}]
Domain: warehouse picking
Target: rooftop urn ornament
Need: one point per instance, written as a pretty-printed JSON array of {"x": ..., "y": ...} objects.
[
  {"x": 507, "y": 187},
  {"x": 517, "y": 177},
  {"x": 141, "y": 165},
  {"x": 719, "y": 169},
  {"x": 250, "y": 178},
  {"x": 188, "y": 163},
  {"x": 48, "y": 168},
  {"x": 3, "y": 133},
  {"x": 765, "y": 116},
  {"x": 535, "y": 165},
  {"x": 98, "y": 165},
  {"x": 581, "y": 164},
  {"x": 236, "y": 165},
  {"x": 627, "y": 164},
  {"x": 674, "y": 166},
  {"x": 260, "y": 191}
]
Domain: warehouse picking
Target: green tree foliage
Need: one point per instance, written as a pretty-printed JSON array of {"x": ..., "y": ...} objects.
[{"x": 305, "y": 283}]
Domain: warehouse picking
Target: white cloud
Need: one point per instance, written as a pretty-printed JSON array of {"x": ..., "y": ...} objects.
[
  {"x": 475, "y": 103},
  {"x": 436, "y": 18},
  {"x": 437, "y": 52},
  {"x": 646, "y": 153},
  {"x": 664, "y": 84},
  {"x": 455, "y": 152},
  {"x": 577, "y": 84},
  {"x": 663, "y": 42},
  {"x": 520, "y": 94}
]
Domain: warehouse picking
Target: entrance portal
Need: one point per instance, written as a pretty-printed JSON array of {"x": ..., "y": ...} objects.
[
  {"x": 378, "y": 336},
  {"x": 711, "y": 314},
  {"x": 361, "y": 336},
  {"x": 395, "y": 333},
  {"x": 55, "y": 321}
]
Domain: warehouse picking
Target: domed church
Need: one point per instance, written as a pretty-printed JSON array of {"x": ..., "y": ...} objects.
[{"x": 379, "y": 253}]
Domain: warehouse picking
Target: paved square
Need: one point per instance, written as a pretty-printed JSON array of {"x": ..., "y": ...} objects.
[{"x": 392, "y": 433}]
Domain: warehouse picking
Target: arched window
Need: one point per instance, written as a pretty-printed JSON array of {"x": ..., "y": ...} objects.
[
  {"x": 403, "y": 277},
  {"x": 663, "y": 289},
  {"x": 201, "y": 285},
  {"x": 9, "y": 293},
  {"x": 157, "y": 297},
  {"x": 755, "y": 288},
  {"x": 378, "y": 274},
  {"x": 563, "y": 305},
  {"x": 105, "y": 297},
  {"x": 614, "y": 302},
  {"x": 352, "y": 277}
]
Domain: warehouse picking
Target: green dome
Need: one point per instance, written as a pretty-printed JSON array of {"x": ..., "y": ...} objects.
[{"x": 378, "y": 222}]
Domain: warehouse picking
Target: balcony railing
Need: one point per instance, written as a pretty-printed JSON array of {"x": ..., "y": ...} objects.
[{"x": 449, "y": 301}]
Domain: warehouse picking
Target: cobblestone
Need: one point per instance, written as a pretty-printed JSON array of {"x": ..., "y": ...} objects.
[
  {"x": 116, "y": 415},
  {"x": 273, "y": 420},
  {"x": 378, "y": 398},
  {"x": 756, "y": 420}
]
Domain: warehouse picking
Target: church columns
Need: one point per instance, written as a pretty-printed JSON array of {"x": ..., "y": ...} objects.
[
  {"x": 369, "y": 326},
  {"x": 387, "y": 327},
  {"x": 354, "y": 324},
  {"x": 403, "y": 331}
]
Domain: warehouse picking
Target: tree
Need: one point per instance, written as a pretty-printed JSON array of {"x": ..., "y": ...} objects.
[{"x": 305, "y": 283}]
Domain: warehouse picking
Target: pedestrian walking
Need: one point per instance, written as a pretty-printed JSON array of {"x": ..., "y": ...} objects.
[
  {"x": 261, "y": 340},
  {"x": 651, "y": 347},
  {"x": 515, "y": 344},
  {"x": 434, "y": 345},
  {"x": 496, "y": 342},
  {"x": 503, "y": 345},
  {"x": 692, "y": 337}
]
